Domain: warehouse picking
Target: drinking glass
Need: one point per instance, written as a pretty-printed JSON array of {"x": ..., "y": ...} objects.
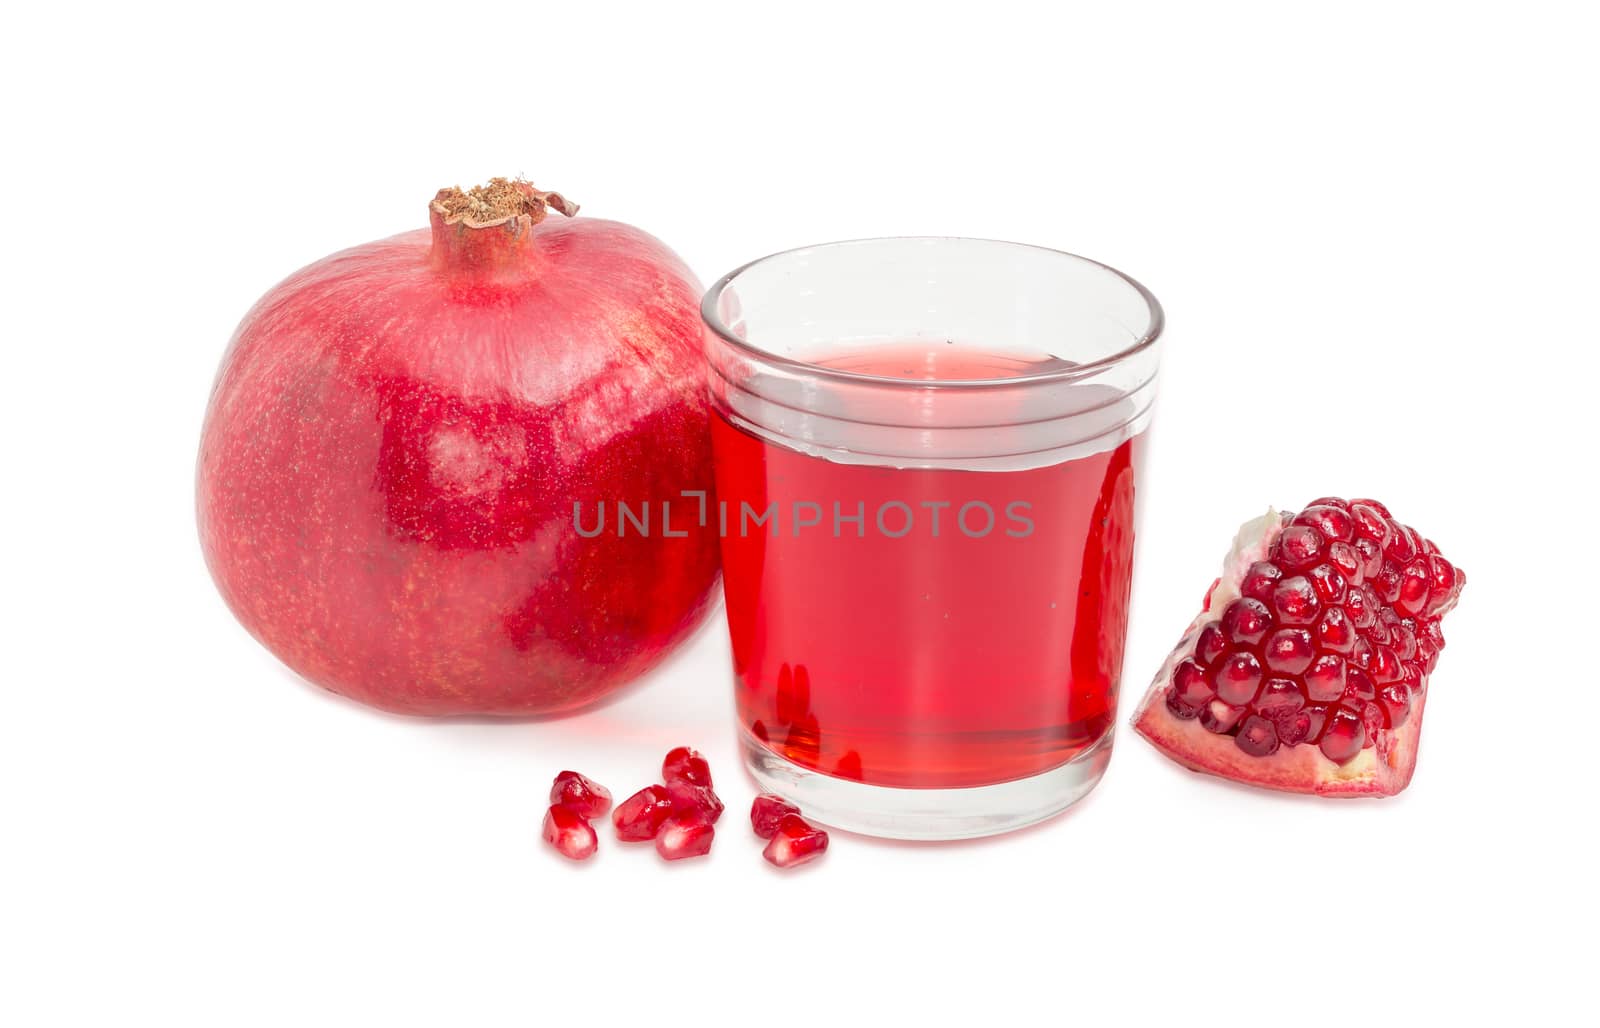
[{"x": 927, "y": 458}]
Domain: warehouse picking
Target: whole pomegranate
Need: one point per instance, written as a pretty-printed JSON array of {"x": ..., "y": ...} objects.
[{"x": 403, "y": 436}]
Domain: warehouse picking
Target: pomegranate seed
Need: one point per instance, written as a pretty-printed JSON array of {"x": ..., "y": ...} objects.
[
  {"x": 1361, "y": 606},
  {"x": 1246, "y": 621},
  {"x": 1180, "y": 710},
  {"x": 1386, "y": 666},
  {"x": 1371, "y": 554},
  {"x": 1358, "y": 688},
  {"x": 1329, "y": 583},
  {"x": 686, "y": 766},
  {"x": 569, "y": 832},
  {"x": 1372, "y": 718},
  {"x": 1375, "y": 505},
  {"x": 1403, "y": 544},
  {"x": 1334, "y": 631},
  {"x": 1237, "y": 678},
  {"x": 1372, "y": 522},
  {"x": 1219, "y": 717},
  {"x": 1325, "y": 678},
  {"x": 1330, "y": 501},
  {"x": 1414, "y": 586},
  {"x": 1442, "y": 580},
  {"x": 1257, "y": 736},
  {"x": 1396, "y": 701},
  {"x": 583, "y": 794},
  {"x": 695, "y": 799},
  {"x": 1293, "y": 726},
  {"x": 1295, "y": 601},
  {"x": 1279, "y": 694},
  {"x": 1289, "y": 651},
  {"x": 1361, "y": 654},
  {"x": 1386, "y": 583},
  {"x": 1211, "y": 645},
  {"x": 1190, "y": 685},
  {"x": 1335, "y": 523},
  {"x": 685, "y": 835},
  {"x": 640, "y": 816},
  {"x": 1260, "y": 580},
  {"x": 1299, "y": 546},
  {"x": 1318, "y": 715},
  {"x": 1343, "y": 736},
  {"x": 767, "y": 811},
  {"x": 1403, "y": 637},
  {"x": 795, "y": 842},
  {"x": 1346, "y": 560}
]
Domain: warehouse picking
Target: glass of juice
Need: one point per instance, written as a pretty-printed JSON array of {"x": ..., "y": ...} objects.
[{"x": 927, "y": 485}]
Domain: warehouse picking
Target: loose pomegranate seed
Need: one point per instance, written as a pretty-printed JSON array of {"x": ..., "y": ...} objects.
[
  {"x": 1190, "y": 684},
  {"x": 1289, "y": 651},
  {"x": 1299, "y": 546},
  {"x": 1257, "y": 736},
  {"x": 569, "y": 832},
  {"x": 1295, "y": 601},
  {"x": 588, "y": 797},
  {"x": 1211, "y": 645},
  {"x": 685, "y": 835},
  {"x": 795, "y": 842},
  {"x": 1237, "y": 678},
  {"x": 1246, "y": 621},
  {"x": 1260, "y": 580},
  {"x": 1343, "y": 736},
  {"x": 767, "y": 811},
  {"x": 687, "y": 766},
  {"x": 695, "y": 799},
  {"x": 640, "y": 816}
]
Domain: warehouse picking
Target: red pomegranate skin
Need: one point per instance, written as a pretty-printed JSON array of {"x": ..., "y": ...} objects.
[{"x": 397, "y": 437}]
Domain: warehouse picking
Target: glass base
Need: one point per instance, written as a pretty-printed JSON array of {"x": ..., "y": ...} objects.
[{"x": 927, "y": 814}]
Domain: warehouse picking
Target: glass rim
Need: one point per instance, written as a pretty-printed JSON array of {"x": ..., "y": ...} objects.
[{"x": 1150, "y": 336}]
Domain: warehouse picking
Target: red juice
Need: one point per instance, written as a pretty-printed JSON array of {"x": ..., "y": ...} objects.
[{"x": 925, "y": 627}]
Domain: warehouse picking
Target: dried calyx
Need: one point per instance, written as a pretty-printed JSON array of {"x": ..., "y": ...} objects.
[{"x": 497, "y": 202}]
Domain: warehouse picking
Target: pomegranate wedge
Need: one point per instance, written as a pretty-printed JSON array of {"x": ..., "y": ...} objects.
[{"x": 1307, "y": 668}]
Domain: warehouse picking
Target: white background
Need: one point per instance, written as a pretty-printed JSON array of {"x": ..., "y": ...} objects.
[{"x": 1372, "y": 226}]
